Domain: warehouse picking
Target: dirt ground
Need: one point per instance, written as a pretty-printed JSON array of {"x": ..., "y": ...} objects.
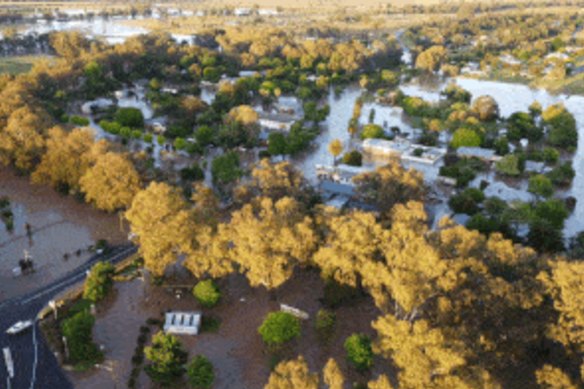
[
  {"x": 236, "y": 350},
  {"x": 59, "y": 225}
]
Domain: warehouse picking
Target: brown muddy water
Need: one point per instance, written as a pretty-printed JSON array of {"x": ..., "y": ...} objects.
[
  {"x": 240, "y": 359},
  {"x": 59, "y": 225}
]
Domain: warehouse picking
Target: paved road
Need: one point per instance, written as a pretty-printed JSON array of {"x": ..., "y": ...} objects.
[{"x": 35, "y": 365}]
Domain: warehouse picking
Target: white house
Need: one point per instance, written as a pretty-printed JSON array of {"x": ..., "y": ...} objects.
[
  {"x": 478, "y": 152},
  {"x": 276, "y": 122},
  {"x": 404, "y": 149},
  {"x": 182, "y": 323},
  {"x": 242, "y": 12}
]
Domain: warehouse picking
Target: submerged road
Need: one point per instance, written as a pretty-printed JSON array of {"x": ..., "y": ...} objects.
[{"x": 35, "y": 366}]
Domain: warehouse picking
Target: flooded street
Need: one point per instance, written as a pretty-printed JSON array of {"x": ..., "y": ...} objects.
[{"x": 59, "y": 225}]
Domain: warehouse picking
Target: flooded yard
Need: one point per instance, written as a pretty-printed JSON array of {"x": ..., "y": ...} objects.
[
  {"x": 236, "y": 350},
  {"x": 58, "y": 225},
  {"x": 512, "y": 98}
]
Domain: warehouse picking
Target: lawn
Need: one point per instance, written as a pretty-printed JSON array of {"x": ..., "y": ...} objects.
[{"x": 18, "y": 65}]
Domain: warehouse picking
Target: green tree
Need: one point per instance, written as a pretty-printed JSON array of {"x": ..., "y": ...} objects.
[
  {"x": 540, "y": 185},
  {"x": 225, "y": 168},
  {"x": 353, "y": 158},
  {"x": 465, "y": 137},
  {"x": 167, "y": 358},
  {"x": 277, "y": 144},
  {"x": 130, "y": 117},
  {"x": 359, "y": 353},
  {"x": 78, "y": 330},
  {"x": 279, "y": 328},
  {"x": 372, "y": 131},
  {"x": 98, "y": 282},
  {"x": 200, "y": 373},
  {"x": 508, "y": 165},
  {"x": 207, "y": 293}
]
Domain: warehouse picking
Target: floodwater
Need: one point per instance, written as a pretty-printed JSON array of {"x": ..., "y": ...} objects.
[
  {"x": 112, "y": 30},
  {"x": 59, "y": 224},
  {"x": 238, "y": 355},
  {"x": 516, "y": 97},
  {"x": 335, "y": 127}
]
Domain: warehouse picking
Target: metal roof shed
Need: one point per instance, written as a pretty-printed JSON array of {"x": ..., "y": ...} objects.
[{"x": 182, "y": 323}]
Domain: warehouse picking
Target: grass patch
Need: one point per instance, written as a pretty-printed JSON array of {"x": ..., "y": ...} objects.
[
  {"x": 19, "y": 64},
  {"x": 210, "y": 324}
]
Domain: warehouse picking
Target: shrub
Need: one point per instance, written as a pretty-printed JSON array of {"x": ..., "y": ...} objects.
[
  {"x": 325, "y": 322},
  {"x": 372, "y": 131},
  {"x": 562, "y": 175},
  {"x": 540, "y": 185},
  {"x": 200, "y": 373},
  {"x": 79, "y": 120},
  {"x": 359, "y": 353},
  {"x": 279, "y": 327},
  {"x": 465, "y": 137},
  {"x": 98, "y": 281},
  {"x": 467, "y": 201},
  {"x": 353, "y": 158},
  {"x": 130, "y": 117},
  {"x": 508, "y": 165},
  {"x": 193, "y": 173},
  {"x": 207, "y": 293}
]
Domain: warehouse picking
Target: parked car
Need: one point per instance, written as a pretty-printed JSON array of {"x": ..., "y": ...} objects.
[{"x": 19, "y": 326}]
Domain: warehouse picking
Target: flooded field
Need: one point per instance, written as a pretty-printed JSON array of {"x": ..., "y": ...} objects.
[
  {"x": 58, "y": 225},
  {"x": 236, "y": 350}
]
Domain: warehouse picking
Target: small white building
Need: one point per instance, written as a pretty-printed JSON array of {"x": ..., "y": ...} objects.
[
  {"x": 341, "y": 173},
  {"x": 488, "y": 155},
  {"x": 267, "y": 12},
  {"x": 182, "y": 323},
  {"x": 404, "y": 149},
  {"x": 242, "y": 12},
  {"x": 276, "y": 122}
]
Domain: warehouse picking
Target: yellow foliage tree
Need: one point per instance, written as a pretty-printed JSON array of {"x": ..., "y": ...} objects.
[
  {"x": 160, "y": 219},
  {"x": 335, "y": 148},
  {"x": 332, "y": 375},
  {"x": 68, "y": 157},
  {"x": 269, "y": 239},
  {"x": 22, "y": 141},
  {"x": 293, "y": 374},
  {"x": 549, "y": 377},
  {"x": 111, "y": 183},
  {"x": 244, "y": 114}
]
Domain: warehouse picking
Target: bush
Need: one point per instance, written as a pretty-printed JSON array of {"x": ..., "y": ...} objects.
[
  {"x": 465, "y": 137},
  {"x": 200, "y": 373},
  {"x": 540, "y": 185},
  {"x": 468, "y": 201},
  {"x": 78, "y": 331},
  {"x": 353, "y": 158},
  {"x": 79, "y": 120},
  {"x": 207, "y": 293},
  {"x": 562, "y": 175},
  {"x": 508, "y": 165},
  {"x": 98, "y": 282},
  {"x": 130, "y": 117},
  {"x": 359, "y": 353},
  {"x": 371, "y": 131},
  {"x": 279, "y": 327},
  {"x": 193, "y": 173},
  {"x": 325, "y": 322}
]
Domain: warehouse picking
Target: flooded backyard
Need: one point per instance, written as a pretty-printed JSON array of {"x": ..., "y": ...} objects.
[
  {"x": 58, "y": 225},
  {"x": 240, "y": 358}
]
